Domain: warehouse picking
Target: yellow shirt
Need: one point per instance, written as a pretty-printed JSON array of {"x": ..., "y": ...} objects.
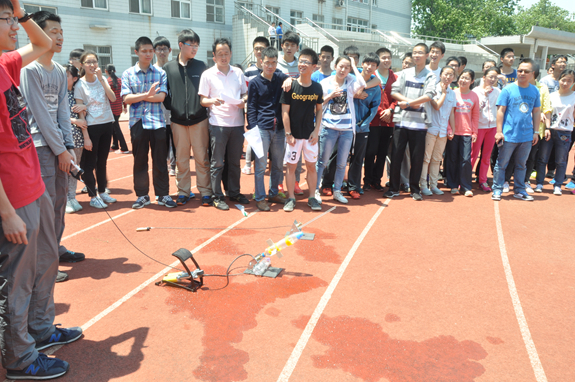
[{"x": 545, "y": 105}]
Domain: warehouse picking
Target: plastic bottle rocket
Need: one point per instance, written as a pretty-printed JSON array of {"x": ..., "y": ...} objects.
[{"x": 277, "y": 247}]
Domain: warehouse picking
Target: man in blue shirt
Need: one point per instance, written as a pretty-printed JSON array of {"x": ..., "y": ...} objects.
[
  {"x": 518, "y": 117},
  {"x": 279, "y": 35},
  {"x": 144, "y": 89}
]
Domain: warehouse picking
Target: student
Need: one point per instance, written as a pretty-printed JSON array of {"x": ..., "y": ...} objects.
[
  {"x": 381, "y": 127},
  {"x": 558, "y": 64},
  {"x": 189, "y": 119},
  {"x": 162, "y": 50},
  {"x": 79, "y": 133},
  {"x": 487, "y": 92},
  {"x": 365, "y": 111},
  {"x": 338, "y": 121},
  {"x": 118, "y": 141},
  {"x": 44, "y": 85},
  {"x": 507, "y": 58},
  {"x": 28, "y": 244},
  {"x": 463, "y": 61},
  {"x": 74, "y": 58},
  {"x": 226, "y": 121},
  {"x": 298, "y": 107},
  {"x": 144, "y": 89},
  {"x": 279, "y": 34},
  {"x": 440, "y": 109},
  {"x": 486, "y": 65},
  {"x": 413, "y": 88},
  {"x": 264, "y": 111},
  {"x": 407, "y": 61},
  {"x": 326, "y": 54},
  {"x": 455, "y": 63},
  {"x": 462, "y": 136},
  {"x": 558, "y": 135},
  {"x": 518, "y": 117},
  {"x": 94, "y": 91},
  {"x": 272, "y": 33},
  {"x": 436, "y": 53}
]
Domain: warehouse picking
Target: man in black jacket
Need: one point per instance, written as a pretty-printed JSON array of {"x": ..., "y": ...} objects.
[{"x": 189, "y": 118}]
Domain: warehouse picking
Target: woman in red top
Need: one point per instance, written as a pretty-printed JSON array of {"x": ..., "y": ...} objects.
[
  {"x": 117, "y": 135},
  {"x": 458, "y": 151}
]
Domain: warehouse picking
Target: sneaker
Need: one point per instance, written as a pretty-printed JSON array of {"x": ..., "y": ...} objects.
[
  {"x": 262, "y": 205},
  {"x": 468, "y": 193},
  {"x": 533, "y": 175},
  {"x": 247, "y": 170},
  {"x": 354, "y": 194},
  {"x": 366, "y": 187},
  {"x": 496, "y": 195},
  {"x": 557, "y": 190},
  {"x": 378, "y": 187},
  {"x": 61, "y": 336},
  {"x": 426, "y": 191},
  {"x": 506, "y": 187},
  {"x": 172, "y": 172},
  {"x": 297, "y": 190},
  {"x": 240, "y": 198},
  {"x": 182, "y": 199},
  {"x": 390, "y": 194},
  {"x": 192, "y": 195},
  {"x": 361, "y": 190},
  {"x": 318, "y": 196},
  {"x": 206, "y": 201},
  {"x": 220, "y": 204},
  {"x": 339, "y": 197},
  {"x": 43, "y": 367},
  {"x": 167, "y": 201},
  {"x": 313, "y": 204},
  {"x": 61, "y": 276},
  {"x": 107, "y": 191},
  {"x": 72, "y": 257},
  {"x": 96, "y": 202},
  {"x": 417, "y": 196},
  {"x": 84, "y": 190},
  {"x": 327, "y": 191},
  {"x": 523, "y": 196},
  {"x": 485, "y": 187},
  {"x": 122, "y": 151},
  {"x": 77, "y": 205},
  {"x": 107, "y": 198},
  {"x": 113, "y": 148},
  {"x": 405, "y": 187},
  {"x": 277, "y": 199},
  {"x": 528, "y": 188},
  {"x": 289, "y": 205},
  {"x": 454, "y": 191},
  {"x": 436, "y": 191},
  {"x": 570, "y": 185},
  {"x": 552, "y": 181},
  {"x": 539, "y": 188},
  {"x": 141, "y": 202},
  {"x": 70, "y": 207}
]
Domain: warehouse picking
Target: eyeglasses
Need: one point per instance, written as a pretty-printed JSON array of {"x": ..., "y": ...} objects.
[
  {"x": 91, "y": 62},
  {"x": 304, "y": 62},
  {"x": 162, "y": 50},
  {"x": 259, "y": 49},
  {"x": 193, "y": 46},
  {"x": 10, "y": 20},
  {"x": 524, "y": 71}
]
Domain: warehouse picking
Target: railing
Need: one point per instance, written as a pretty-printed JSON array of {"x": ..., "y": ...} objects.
[
  {"x": 246, "y": 12},
  {"x": 323, "y": 31},
  {"x": 486, "y": 48}
]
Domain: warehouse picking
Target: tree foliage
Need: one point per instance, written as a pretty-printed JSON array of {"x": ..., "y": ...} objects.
[{"x": 544, "y": 14}]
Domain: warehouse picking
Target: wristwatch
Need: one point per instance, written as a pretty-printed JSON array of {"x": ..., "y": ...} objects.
[
  {"x": 26, "y": 17},
  {"x": 288, "y": 134}
]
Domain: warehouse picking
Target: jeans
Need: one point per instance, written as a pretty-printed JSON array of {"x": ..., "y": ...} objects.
[
  {"x": 519, "y": 152},
  {"x": 328, "y": 138},
  {"x": 458, "y": 158},
  {"x": 560, "y": 141},
  {"x": 273, "y": 142},
  {"x": 356, "y": 162}
]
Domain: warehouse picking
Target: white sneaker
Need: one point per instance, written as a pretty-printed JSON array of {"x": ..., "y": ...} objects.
[
  {"x": 528, "y": 189},
  {"x": 426, "y": 191},
  {"x": 469, "y": 193},
  {"x": 539, "y": 188},
  {"x": 247, "y": 170},
  {"x": 339, "y": 197},
  {"x": 172, "y": 172},
  {"x": 107, "y": 198},
  {"x": 96, "y": 202},
  {"x": 436, "y": 191},
  {"x": 557, "y": 191},
  {"x": 77, "y": 205},
  {"x": 70, "y": 207},
  {"x": 506, "y": 187},
  {"x": 318, "y": 196}
]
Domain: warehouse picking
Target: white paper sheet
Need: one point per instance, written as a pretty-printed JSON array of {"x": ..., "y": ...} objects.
[
  {"x": 255, "y": 141},
  {"x": 231, "y": 101}
]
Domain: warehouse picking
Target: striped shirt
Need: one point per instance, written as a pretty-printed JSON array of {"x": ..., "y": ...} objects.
[
  {"x": 135, "y": 81},
  {"x": 117, "y": 104},
  {"x": 339, "y": 112},
  {"x": 412, "y": 86}
]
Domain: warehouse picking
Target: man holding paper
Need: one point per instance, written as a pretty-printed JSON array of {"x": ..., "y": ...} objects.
[{"x": 264, "y": 114}]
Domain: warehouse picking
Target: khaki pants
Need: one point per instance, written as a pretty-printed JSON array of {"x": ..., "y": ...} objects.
[
  {"x": 434, "y": 148},
  {"x": 195, "y": 137}
]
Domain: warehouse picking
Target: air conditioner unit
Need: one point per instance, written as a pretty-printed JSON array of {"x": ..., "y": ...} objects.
[{"x": 339, "y": 3}]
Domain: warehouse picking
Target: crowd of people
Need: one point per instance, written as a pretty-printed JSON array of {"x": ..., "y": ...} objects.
[{"x": 427, "y": 122}]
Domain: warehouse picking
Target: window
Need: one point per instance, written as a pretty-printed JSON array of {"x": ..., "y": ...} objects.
[
  {"x": 295, "y": 17},
  {"x": 318, "y": 19},
  {"x": 271, "y": 18},
  {"x": 97, "y": 4},
  {"x": 141, "y": 6},
  {"x": 36, "y": 8},
  {"x": 134, "y": 56},
  {"x": 249, "y": 6},
  {"x": 181, "y": 9},
  {"x": 215, "y": 11},
  {"x": 337, "y": 23},
  {"x": 104, "y": 54},
  {"x": 210, "y": 61},
  {"x": 357, "y": 25},
  {"x": 175, "y": 53}
]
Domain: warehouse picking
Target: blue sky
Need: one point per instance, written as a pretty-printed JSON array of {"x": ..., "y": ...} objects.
[{"x": 565, "y": 4}]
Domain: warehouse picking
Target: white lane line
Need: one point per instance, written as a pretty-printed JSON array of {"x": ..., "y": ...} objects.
[
  {"x": 525, "y": 333},
  {"x": 303, "y": 340}
]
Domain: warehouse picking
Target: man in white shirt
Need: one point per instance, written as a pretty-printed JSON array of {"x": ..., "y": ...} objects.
[{"x": 272, "y": 33}]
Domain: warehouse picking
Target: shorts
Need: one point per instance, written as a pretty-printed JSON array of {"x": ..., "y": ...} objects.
[{"x": 310, "y": 152}]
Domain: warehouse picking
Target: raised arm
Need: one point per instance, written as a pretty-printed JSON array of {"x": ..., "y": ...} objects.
[{"x": 40, "y": 43}]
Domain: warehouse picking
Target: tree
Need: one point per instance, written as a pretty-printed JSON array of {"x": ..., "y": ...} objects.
[{"x": 544, "y": 14}]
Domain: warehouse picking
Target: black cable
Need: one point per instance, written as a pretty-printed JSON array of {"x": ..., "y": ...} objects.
[{"x": 227, "y": 275}]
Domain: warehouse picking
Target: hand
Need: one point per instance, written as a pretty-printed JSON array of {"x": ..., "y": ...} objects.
[
  {"x": 153, "y": 89},
  {"x": 87, "y": 144},
  {"x": 79, "y": 122},
  {"x": 488, "y": 90},
  {"x": 313, "y": 138},
  {"x": 403, "y": 105},
  {"x": 386, "y": 116},
  {"x": 502, "y": 77},
  {"x": 535, "y": 139},
  {"x": 125, "y": 108},
  {"x": 14, "y": 228},
  {"x": 18, "y": 13},
  {"x": 290, "y": 140},
  {"x": 71, "y": 151},
  {"x": 79, "y": 108},
  {"x": 499, "y": 137},
  {"x": 361, "y": 95},
  {"x": 218, "y": 101},
  {"x": 64, "y": 161},
  {"x": 543, "y": 118},
  {"x": 450, "y": 136},
  {"x": 547, "y": 134},
  {"x": 286, "y": 87},
  {"x": 337, "y": 93},
  {"x": 352, "y": 60},
  {"x": 444, "y": 86},
  {"x": 98, "y": 73},
  {"x": 473, "y": 138}
]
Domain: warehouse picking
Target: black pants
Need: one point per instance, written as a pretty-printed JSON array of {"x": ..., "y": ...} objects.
[
  {"x": 118, "y": 136},
  {"x": 101, "y": 136},
  {"x": 458, "y": 159},
  {"x": 356, "y": 162},
  {"x": 170, "y": 145},
  {"x": 377, "y": 147},
  {"x": 531, "y": 161},
  {"x": 416, "y": 141},
  {"x": 142, "y": 141},
  {"x": 329, "y": 171}
]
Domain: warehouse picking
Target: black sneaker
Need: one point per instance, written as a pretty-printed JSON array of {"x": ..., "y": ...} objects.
[
  {"x": 72, "y": 257},
  {"x": 220, "y": 204},
  {"x": 141, "y": 202},
  {"x": 167, "y": 201},
  {"x": 390, "y": 194},
  {"x": 313, "y": 204},
  {"x": 61, "y": 276},
  {"x": 43, "y": 367},
  {"x": 207, "y": 201},
  {"x": 182, "y": 199},
  {"x": 416, "y": 196},
  {"x": 240, "y": 198},
  {"x": 60, "y": 336}
]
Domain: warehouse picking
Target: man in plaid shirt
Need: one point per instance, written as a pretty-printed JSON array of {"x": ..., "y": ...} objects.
[{"x": 144, "y": 89}]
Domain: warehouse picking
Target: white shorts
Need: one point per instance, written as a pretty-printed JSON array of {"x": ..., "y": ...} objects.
[{"x": 293, "y": 153}]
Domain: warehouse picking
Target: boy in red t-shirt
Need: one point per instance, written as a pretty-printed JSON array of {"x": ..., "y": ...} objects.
[{"x": 28, "y": 247}]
